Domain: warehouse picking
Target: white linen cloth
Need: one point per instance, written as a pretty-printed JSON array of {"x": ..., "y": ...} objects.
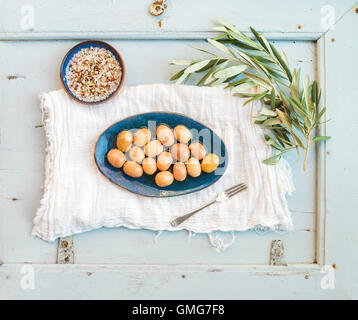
[{"x": 78, "y": 198}]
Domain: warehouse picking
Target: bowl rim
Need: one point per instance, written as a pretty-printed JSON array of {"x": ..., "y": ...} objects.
[{"x": 92, "y": 42}]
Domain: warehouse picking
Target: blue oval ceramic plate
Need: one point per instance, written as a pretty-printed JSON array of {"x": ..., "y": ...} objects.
[
  {"x": 145, "y": 185},
  {"x": 87, "y": 44}
]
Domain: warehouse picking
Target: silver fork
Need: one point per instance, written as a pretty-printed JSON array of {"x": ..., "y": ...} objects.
[{"x": 222, "y": 196}]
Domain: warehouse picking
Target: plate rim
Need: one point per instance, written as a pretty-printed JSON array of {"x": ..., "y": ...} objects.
[{"x": 164, "y": 191}]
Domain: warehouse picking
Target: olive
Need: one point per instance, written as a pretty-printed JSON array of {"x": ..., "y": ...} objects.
[
  {"x": 193, "y": 167},
  {"x": 164, "y": 161},
  {"x": 197, "y": 150},
  {"x": 182, "y": 133},
  {"x": 142, "y": 137},
  {"x": 164, "y": 179},
  {"x": 124, "y": 140},
  {"x": 153, "y": 148},
  {"x": 179, "y": 171},
  {"x": 116, "y": 158},
  {"x": 165, "y": 135},
  {"x": 149, "y": 166},
  {"x": 133, "y": 169},
  {"x": 210, "y": 163},
  {"x": 136, "y": 154},
  {"x": 180, "y": 152}
]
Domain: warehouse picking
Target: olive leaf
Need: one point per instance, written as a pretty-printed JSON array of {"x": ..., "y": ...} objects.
[
  {"x": 231, "y": 71},
  {"x": 181, "y": 62},
  {"x": 196, "y": 66},
  {"x": 268, "y": 112},
  {"x": 321, "y": 138},
  {"x": 292, "y": 113},
  {"x": 274, "y": 159}
]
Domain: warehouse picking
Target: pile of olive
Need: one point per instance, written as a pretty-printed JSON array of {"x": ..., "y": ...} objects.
[{"x": 170, "y": 147}]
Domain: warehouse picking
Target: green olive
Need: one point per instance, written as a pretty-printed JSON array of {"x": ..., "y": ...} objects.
[
  {"x": 179, "y": 171},
  {"x": 116, "y": 158},
  {"x": 164, "y": 161},
  {"x": 149, "y": 166},
  {"x": 153, "y": 148},
  {"x": 210, "y": 163},
  {"x": 165, "y": 135},
  {"x": 182, "y": 133},
  {"x": 180, "y": 152},
  {"x": 124, "y": 140},
  {"x": 133, "y": 169},
  {"x": 197, "y": 150},
  {"x": 136, "y": 154},
  {"x": 142, "y": 137},
  {"x": 164, "y": 179},
  {"x": 193, "y": 167}
]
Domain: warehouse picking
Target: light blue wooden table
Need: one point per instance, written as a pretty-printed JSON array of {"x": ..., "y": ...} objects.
[{"x": 124, "y": 264}]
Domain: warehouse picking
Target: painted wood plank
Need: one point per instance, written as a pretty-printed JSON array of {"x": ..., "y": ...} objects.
[
  {"x": 341, "y": 86},
  {"x": 173, "y": 282},
  {"x": 182, "y": 19},
  {"x": 22, "y": 138},
  {"x": 133, "y": 281}
]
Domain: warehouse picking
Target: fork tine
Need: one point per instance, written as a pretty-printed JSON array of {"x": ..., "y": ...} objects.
[
  {"x": 230, "y": 189},
  {"x": 236, "y": 191},
  {"x": 235, "y": 188}
]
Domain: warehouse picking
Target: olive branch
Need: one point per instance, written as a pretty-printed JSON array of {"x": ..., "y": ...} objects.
[{"x": 292, "y": 110}]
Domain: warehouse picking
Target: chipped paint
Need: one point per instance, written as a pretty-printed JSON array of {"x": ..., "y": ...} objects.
[
  {"x": 157, "y": 7},
  {"x": 15, "y": 77},
  {"x": 277, "y": 251},
  {"x": 65, "y": 251}
]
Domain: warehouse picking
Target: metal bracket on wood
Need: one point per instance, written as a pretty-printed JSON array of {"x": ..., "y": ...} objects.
[
  {"x": 277, "y": 251},
  {"x": 65, "y": 251}
]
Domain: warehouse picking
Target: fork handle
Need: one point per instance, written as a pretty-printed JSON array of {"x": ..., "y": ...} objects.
[{"x": 178, "y": 220}]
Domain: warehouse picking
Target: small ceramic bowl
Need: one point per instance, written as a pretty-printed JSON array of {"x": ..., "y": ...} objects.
[{"x": 88, "y": 44}]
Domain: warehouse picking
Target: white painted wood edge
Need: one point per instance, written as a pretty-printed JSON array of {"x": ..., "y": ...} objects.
[
  {"x": 139, "y": 35},
  {"x": 321, "y": 192},
  {"x": 290, "y": 269}
]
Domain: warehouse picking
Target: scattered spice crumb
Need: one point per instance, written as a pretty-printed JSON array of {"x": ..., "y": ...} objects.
[{"x": 14, "y": 77}]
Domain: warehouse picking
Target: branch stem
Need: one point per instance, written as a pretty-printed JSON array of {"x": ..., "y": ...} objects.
[{"x": 306, "y": 153}]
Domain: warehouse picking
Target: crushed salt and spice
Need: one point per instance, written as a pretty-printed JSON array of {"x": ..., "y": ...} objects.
[{"x": 93, "y": 74}]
